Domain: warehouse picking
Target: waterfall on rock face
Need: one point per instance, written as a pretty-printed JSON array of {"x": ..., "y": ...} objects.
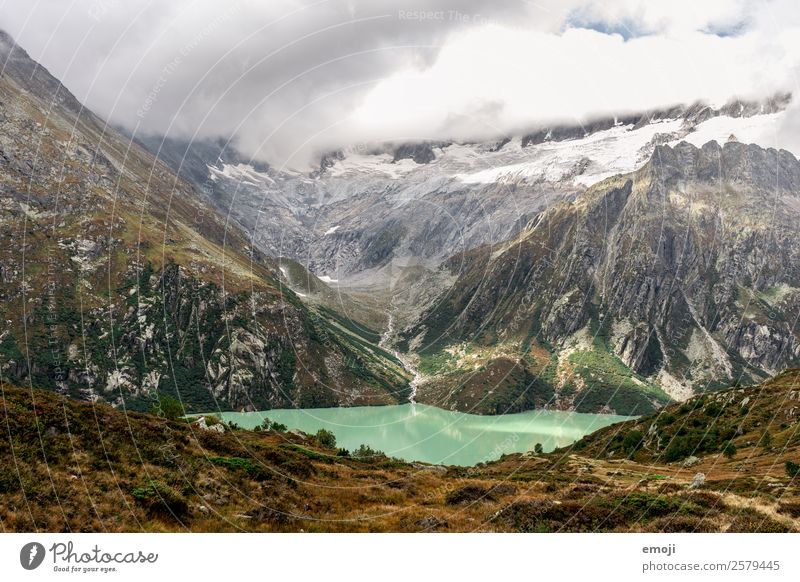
[{"x": 407, "y": 363}]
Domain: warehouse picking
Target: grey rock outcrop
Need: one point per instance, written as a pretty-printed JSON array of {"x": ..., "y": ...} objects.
[{"x": 687, "y": 270}]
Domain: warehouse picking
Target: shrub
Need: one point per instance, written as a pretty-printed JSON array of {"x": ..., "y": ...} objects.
[
  {"x": 326, "y": 438},
  {"x": 696, "y": 441},
  {"x": 365, "y": 452},
  {"x": 751, "y": 521},
  {"x": 237, "y": 463},
  {"x": 538, "y": 448},
  {"x": 707, "y": 501},
  {"x": 468, "y": 494},
  {"x": 729, "y": 450},
  {"x": 640, "y": 505},
  {"x": 632, "y": 442},
  {"x": 268, "y": 424},
  {"x": 713, "y": 409},
  {"x": 265, "y": 424},
  {"x": 168, "y": 407},
  {"x": 9, "y": 482},
  {"x": 678, "y": 448},
  {"x": 161, "y": 499},
  {"x": 682, "y": 524},
  {"x": 790, "y": 508},
  {"x": 547, "y": 516},
  {"x": 792, "y": 469},
  {"x": 665, "y": 419},
  {"x": 299, "y": 467}
]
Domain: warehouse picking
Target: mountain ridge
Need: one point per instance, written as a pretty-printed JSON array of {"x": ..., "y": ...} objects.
[
  {"x": 119, "y": 281},
  {"x": 467, "y": 193},
  {"x": 543, "y": 269},
  {"x": 630, "y": 258}
]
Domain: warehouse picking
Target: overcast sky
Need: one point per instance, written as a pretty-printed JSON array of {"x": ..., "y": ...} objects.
[{"x": 287, "y": 80}]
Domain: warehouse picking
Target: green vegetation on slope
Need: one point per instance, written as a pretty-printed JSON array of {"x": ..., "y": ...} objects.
[{"x": 752, "y": 421}]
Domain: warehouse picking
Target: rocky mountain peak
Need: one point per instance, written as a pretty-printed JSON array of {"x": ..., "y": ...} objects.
[
  {"x": 33, "y": 77},
  {"x": 765, "y": 170}
]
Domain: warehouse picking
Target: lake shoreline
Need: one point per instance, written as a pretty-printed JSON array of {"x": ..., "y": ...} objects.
[{"x": 419, "y": 432}]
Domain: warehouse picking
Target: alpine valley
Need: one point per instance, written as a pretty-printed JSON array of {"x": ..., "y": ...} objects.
[
  {"x": 160, "y": 298},
  {"x": 610, "y": 266},
  {"x": 120, "y": 283}
]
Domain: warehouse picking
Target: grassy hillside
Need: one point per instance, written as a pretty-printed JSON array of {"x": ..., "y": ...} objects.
[
  {"x": 749, "y": 427},
  {"x": 75, "y": 466}
]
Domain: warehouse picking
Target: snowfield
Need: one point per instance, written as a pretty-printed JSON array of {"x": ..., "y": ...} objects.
[
  {"x": 583, "y": 162},
  {"x": 361, "y": 209}
]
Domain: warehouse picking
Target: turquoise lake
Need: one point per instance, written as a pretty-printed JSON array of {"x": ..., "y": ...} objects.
[{"x": 416, "y": 432}]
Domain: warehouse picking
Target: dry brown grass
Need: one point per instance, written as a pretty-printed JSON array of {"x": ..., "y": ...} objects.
[{"x": 91, "y": 477}]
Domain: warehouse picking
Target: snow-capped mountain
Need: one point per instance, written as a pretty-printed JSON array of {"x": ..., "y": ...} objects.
[
  {"x": 583, "y": 318},
  {"x": 370, "y": 208},
  {"x": 681, "y": 276}
]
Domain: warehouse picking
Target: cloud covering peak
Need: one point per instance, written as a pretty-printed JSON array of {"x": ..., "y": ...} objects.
[{"x": 287, "y": 80}]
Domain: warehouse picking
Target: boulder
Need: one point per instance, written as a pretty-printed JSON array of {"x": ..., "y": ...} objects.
[{"x": 698, "y": 481}]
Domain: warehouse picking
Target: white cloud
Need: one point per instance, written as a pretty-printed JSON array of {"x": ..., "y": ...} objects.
[
  {"x": 288, "y": 79},
  {"x": 495, "y": 79}
]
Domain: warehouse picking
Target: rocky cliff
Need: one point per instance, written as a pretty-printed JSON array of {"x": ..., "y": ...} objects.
[{"x": 673, "y": 279}]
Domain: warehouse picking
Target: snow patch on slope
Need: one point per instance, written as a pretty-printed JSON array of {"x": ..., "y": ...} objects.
[
  {"x": 355, "y": 164},
  {"x": 759, "y": 129},
  {"x": 586, "y": 161},
  {"x": 244, "y": 173}
]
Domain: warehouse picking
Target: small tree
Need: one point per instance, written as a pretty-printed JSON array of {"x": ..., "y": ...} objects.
[
  {"x": 265, "y": 424},
  {"x": 326, "y": 438},
  {"x": 792, "y": 469},
  {"x": 268, "y": 424},
  {"x": 713, "y": 409},
  {"x": 678, "y": 448},
  {"x": 538, "y": 448},
  {"x": 365, "y": 452}
]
